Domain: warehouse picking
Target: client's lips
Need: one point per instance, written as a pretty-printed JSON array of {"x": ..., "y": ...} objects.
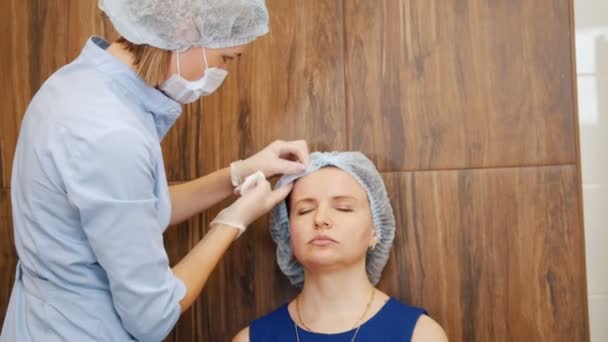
[{"x": 322, "y": 240}]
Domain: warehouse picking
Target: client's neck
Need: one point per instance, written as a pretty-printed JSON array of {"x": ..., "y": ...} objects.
[{"x": 337, "y": 290}]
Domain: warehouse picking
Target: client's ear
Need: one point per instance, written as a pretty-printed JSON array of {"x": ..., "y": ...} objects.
[{"x": 374, "y": 240}]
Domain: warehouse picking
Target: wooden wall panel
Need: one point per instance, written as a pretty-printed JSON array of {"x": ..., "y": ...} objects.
[
  {"x": 8, "y": 256},
  {"x": 493, "y": 255},
  {"x": 14, "y": 72},
  {"x": 460, "y": 84},
  {"x": 547, "y": 288}
]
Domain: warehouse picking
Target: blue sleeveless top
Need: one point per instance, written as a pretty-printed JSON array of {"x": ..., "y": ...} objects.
[{"x": 394, "y": 322}]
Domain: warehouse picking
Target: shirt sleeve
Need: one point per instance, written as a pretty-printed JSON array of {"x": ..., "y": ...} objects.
[{"x": 112, "y": 183}]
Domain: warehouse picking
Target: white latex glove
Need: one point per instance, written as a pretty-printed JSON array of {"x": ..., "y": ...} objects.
[
  {"x": 250, "y": 183},
  {"x": 275, "y": 159},
  {"x": 257, "y": 198}
]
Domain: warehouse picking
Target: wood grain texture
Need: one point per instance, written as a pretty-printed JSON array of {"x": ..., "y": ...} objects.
[
  {"x": 493, "y": 255},
  {"x": 8, "y": 255},
  {"x": 460, "y": 84},
  {"x": 14, "y": 72}
]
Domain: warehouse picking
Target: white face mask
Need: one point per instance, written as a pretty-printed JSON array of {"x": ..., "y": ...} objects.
[{"x": 184, "y": 91}]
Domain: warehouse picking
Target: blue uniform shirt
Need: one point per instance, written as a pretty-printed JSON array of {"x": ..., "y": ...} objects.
[{"x": 90, "y": 204}]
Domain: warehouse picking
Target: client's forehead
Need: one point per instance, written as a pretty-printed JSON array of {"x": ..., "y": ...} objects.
[{"x": 328, "y": 182}]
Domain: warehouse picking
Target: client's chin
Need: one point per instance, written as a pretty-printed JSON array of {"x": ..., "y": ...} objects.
[{"x": 324, "y": 259}]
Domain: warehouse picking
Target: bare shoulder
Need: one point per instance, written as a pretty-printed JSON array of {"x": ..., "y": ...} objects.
[
  {"x": 427, "y": 330},
  {"x": 242, "y": 336}
]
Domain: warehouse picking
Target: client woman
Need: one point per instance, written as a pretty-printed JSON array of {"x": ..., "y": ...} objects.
[{"x": 334, "y": 234}]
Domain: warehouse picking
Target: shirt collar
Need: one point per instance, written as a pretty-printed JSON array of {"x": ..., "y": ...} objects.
[{"x": 164, "y": 109}]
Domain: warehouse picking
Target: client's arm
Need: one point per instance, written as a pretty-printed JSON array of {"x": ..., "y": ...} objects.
[
  {"x": 242, "y": 336},
  {"x": 426, "y": 330}
]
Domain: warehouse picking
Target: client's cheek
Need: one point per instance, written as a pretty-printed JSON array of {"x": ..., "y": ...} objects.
[{"x": 297, "y": 237}]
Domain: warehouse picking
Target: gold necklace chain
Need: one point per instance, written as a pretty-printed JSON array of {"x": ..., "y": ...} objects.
[{"x": 369, "y": 304}]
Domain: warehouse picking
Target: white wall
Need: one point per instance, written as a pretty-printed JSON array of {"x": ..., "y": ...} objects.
[{"x": 591, "y": 23}]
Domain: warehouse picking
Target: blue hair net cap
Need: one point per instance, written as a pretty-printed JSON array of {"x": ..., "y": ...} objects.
[
  {"x": 178, "y": 25},
  {"x": 363, "y": 170}
]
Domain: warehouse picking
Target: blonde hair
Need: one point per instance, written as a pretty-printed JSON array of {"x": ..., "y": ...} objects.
[{"x": 151, "y": 63}]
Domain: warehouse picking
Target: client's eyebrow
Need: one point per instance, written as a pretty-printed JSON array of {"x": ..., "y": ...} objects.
[
  {"x": 303, "y": 200},
  {"x": 344, "y": 197},
  {"x": 334, "y": 198}
]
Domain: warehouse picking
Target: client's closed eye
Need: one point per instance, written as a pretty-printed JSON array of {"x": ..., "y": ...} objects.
[
  {"x": 304, "y": 211},
  {"x": 346, "y": 210}
]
